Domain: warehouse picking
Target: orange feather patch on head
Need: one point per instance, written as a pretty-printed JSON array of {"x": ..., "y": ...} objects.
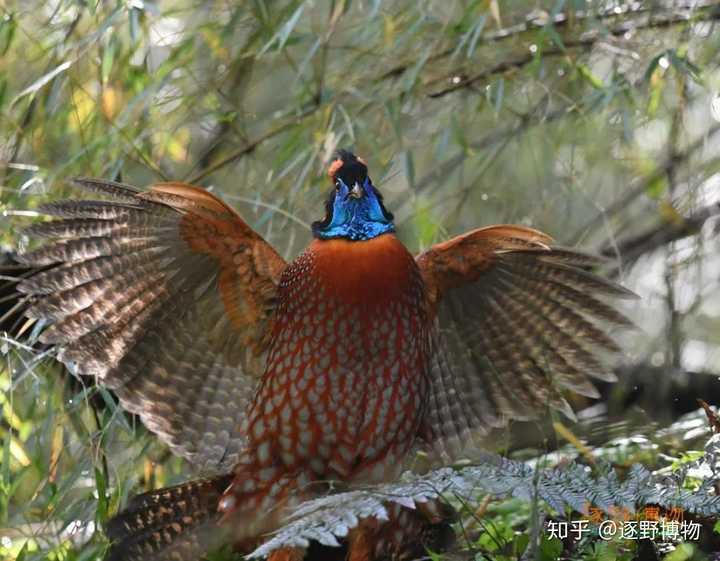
[
  {"x": 338, "y": 163},
  {"x": 334, "y": 167}
]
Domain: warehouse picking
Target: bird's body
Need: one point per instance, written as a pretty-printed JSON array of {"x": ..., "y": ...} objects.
[
  {"x": 346, "y": 381},
  {"x": 290, "y": 379}
]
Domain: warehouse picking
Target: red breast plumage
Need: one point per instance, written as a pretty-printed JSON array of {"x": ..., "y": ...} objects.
[{"x": 346, "y": 380}]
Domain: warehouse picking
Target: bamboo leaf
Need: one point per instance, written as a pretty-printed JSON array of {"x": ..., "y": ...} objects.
[
  {"x": 42, "y": 81},
  {"x": 284, "y": 32}
]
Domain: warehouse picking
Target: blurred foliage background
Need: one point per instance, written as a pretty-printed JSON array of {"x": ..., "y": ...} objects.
[{"x": 596, "y": 121}]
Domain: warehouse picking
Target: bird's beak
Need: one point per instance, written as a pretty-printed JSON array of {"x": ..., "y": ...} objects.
[{"x": 356, "y": 192}]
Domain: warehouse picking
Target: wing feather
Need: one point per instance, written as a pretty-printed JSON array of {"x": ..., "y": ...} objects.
[
  {"x": 165, "y": 296},
  {"x": 518, "y": 322}
]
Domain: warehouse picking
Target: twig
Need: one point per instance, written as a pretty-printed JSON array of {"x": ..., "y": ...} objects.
[
  {"x": 524, "y": 122},
  {"x": 706, "y": 13},
  {"x": 633, "y": 248},
  {"x": 562, "y": 20},
  {"x": 640, "y": 185},
  {"x": 251, "y": 146},
  {"x": 713, "y": 420}
]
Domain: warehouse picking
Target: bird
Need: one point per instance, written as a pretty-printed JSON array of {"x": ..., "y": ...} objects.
[{"x": 284, "y": 381}]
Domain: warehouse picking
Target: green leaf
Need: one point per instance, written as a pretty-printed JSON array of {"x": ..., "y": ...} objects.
[
  {"x": 499, "y": 95},
  {"x": 8, "y": 26},
  {"x": 520, "y": 544},
  {"x": 107, "y": 60},
  {"x": 43, "y": 80},
  {"x": 550, "y": 548},
  {"x": 476, "y": 34},
  {"x": 654, "y": 63},
  {"x": 101, "y": 487},
  {"x": 589, "y": 77},
  {"x": 657, "y": 187},
  {"x": 685, "y": 67},
  {"x": 284, "y": 32},
  {"x": 409, "y": 167},
  {"x": 23, "y": 552},
  {"x": 683, "y": 552},
  {"x": 657, "y": 86},
  {"x": 134, "y": 24},
  {"x": 553, "y": 35},
  {"x": 411, "y": 75}
]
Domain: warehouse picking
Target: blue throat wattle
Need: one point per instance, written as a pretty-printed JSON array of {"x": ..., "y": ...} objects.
[{"x": 354, "y": 213}]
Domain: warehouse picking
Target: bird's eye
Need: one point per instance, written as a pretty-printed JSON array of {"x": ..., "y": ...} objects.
[{"x": 337, "y": 185}]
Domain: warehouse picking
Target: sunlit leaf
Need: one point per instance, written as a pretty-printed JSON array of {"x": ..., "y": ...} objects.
[
  {"x": 656, "y": 188},
  {"x": 657, "y": 86},
  {"x": 83, "y": 106},
  {"x": 495, "y": 11},
  {"x": 110, "y": 102},
  {"x": 42, "y": 81},
  {"x": 389, "y": 29},
  {"x": 587, "y": 74}
]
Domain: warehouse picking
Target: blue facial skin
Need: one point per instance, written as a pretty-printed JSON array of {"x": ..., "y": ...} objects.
[{"x": 356, "y": 214}]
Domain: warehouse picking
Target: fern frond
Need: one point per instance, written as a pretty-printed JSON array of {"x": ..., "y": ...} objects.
[{"x": 572, "y": 486}]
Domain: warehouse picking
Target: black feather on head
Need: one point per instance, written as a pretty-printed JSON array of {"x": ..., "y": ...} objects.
[{"x": 348, "y": 167}]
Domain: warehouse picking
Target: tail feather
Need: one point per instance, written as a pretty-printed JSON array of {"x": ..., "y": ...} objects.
[{"x": 176, "y": 523}]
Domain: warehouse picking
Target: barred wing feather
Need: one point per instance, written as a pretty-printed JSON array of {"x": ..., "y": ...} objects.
[
  {"x": 517, "y": 321},
  {"x": 166, "y": 296}
]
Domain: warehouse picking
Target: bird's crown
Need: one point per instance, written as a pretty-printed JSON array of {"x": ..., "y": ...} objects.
[{"x": 348, "y": 167}]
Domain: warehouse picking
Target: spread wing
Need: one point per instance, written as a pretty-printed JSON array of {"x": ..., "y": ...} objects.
[
  {"x": 517, "y": 322},
  {"x": 165, "y": 296}
]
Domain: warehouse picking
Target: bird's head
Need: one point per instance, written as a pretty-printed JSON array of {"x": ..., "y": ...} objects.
[{"x": 354, "y": 210}]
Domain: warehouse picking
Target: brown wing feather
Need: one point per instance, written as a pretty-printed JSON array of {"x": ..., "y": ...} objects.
[
  {"x": 518, "y": 321},
  {"x": 166, "y": 296}
]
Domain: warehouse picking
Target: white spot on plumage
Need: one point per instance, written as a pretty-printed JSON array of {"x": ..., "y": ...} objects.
[
  {"x": 317, "y": 465},
  {"x": 306, "y": 437},
  {"x": 346, "y": 454},
  {"x": 263, "y": 452},
  {"x": 266, "y": 474},
  {"x": 259, "y": 428}
]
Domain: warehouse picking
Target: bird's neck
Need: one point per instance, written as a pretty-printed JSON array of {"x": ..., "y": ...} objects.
[{"x": 370, "y": 272}]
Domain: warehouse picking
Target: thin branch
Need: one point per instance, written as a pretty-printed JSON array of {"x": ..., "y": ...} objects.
[
  {"x": 525, "y": 121},
  {"x": 252, "y": 145},
  {"x": 640, "y": 185},
  {"x": 588, "y": 40},
  {"x": 702, "y": 11},
  {"x": 696, "y": 10},
  {"x": 631, "y": 249}
]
